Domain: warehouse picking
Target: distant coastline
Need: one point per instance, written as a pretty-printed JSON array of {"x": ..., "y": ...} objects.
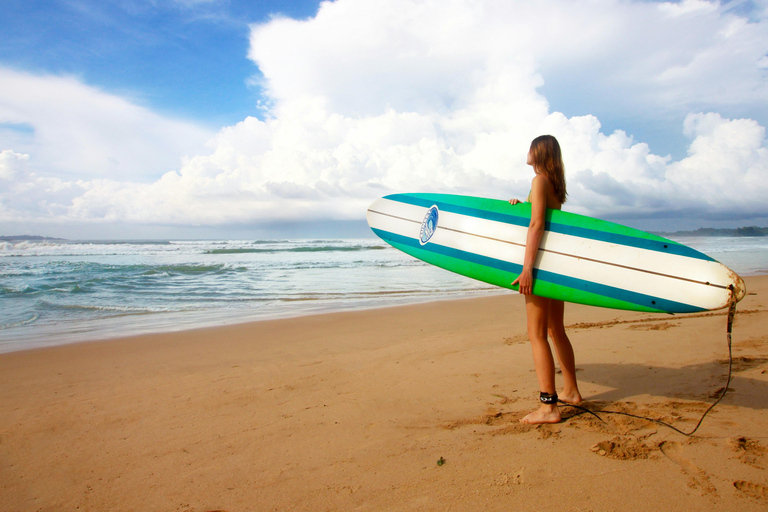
[
  {"x": 744, "y": 231},
  {"x": 23, "y": 238}
]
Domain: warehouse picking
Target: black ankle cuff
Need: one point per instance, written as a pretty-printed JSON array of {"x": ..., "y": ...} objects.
[{"x": 547, "y": 398}]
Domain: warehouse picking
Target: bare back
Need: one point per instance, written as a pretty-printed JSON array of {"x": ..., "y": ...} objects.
[{"x": 542, "y": 190}]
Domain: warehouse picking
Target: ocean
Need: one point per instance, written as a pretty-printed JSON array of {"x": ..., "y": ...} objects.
[{"x": 54, "y": 292}]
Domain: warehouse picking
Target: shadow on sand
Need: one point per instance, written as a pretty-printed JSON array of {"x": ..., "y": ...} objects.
[{"x": 702, "y": 382}]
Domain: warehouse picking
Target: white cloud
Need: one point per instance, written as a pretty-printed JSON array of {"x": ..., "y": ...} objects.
[
  {"x": 663, "y": 56},
  {"x": 73, "y": 130},
  {"x": 374, "y": 97},
  {"x": 364, "y": 56},
  {"x": 725, "y": 172},
  {"x": 11, "y": 164},
  {"x": 727, "y": 166}
]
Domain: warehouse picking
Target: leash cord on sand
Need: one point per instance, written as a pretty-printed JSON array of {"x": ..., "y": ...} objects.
[{"x": 731, "y": 315}]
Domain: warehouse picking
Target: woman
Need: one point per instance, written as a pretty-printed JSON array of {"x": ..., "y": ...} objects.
[{"x": 546, "y": 315}]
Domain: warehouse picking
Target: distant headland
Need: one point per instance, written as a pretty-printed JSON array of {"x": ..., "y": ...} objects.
[
  {"x": 22, "y": 238},
  {"x": 745, "y": 231}
]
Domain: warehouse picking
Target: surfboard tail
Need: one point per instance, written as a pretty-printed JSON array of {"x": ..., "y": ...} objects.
[{"x": 739, "y": 287}]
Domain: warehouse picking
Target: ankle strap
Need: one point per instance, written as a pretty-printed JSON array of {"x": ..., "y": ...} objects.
[{"x": 547, "y": 398}]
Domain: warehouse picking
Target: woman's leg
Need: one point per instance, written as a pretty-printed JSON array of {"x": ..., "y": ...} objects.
[
  {"x": 537, "y": 311},
  {"x": 564, "y": 351}
]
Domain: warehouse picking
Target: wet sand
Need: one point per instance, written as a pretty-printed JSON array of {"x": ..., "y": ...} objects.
[{"x": 402, "y": 408}]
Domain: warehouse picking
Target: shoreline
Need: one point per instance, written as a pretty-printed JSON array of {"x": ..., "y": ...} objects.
[
  {"x": 109, "y": 329},
  {"x": 352, "y": 410}
]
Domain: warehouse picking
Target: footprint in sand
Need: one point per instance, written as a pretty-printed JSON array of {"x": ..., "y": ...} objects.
[
  {"x": 749, "y": 451},
  {"x": 751, "y": 489},
  {"x": 623, "y": 448},
  {"x": 699, "y": 478},
  {"x": 516, "y": 339}
]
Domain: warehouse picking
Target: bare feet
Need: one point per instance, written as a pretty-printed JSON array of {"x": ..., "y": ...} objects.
[
  {"x": 571, "y": 397},
  {"x": 545, "y": 414}
]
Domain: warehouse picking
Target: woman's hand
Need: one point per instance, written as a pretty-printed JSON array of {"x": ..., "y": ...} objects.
[
  {"x": 525, "y": 280},
  {"x": 514, "y": 201}
]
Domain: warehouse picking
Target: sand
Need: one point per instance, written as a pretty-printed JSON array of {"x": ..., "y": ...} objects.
[{"x": 403, "y": 408}]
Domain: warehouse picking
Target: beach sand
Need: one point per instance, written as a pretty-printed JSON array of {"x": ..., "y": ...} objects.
[{"x": 355, "y": 410}]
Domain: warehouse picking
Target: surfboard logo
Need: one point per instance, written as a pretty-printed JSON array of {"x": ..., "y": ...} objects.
[{"x": 429, "y": 225}]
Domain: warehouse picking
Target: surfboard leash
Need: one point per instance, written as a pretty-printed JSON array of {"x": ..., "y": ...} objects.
[{"x": 729, "y": 330}]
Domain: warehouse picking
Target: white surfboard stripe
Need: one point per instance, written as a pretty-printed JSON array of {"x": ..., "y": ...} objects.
[
  {"x": 634, "y": 280},
  {"x": 637, "y": 259}
]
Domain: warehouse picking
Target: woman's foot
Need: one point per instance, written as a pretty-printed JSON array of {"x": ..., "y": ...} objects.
[
  {"x": 545, "y": 414},
  {"x": 572, "y": 397}
]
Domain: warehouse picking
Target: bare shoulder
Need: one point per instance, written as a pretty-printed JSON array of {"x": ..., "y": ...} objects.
[{"x": 542, "y": 183}]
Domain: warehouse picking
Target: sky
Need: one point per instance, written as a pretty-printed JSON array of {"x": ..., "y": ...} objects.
[{"x": 242, "y": 119}]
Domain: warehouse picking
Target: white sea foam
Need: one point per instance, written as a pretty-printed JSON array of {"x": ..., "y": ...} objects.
[{"x": 20, "y": 323}]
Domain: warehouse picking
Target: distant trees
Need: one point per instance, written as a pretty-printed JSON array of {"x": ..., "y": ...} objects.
[{"x": 744, "y": 231}]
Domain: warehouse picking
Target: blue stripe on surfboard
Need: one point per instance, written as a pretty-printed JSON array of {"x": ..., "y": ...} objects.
[
  {"x": 641, "y": 299},
  {"x": 565, "y": 229}
]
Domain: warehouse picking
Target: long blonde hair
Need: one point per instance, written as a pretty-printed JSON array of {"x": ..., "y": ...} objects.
[{"x": 548, "y": 160}]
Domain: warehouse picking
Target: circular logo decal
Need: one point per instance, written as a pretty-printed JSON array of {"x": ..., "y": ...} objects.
[{"x": 429, "y": 225}]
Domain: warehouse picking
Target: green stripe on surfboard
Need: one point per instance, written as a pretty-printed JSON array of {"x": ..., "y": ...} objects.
[{"x": 504, "y": 279}]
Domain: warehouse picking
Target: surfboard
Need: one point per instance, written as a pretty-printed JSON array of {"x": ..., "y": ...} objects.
[{"x": 580, "y": 259}]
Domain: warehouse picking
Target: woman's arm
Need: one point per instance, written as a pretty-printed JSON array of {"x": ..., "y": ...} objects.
[{"x": 535, "y": 233}]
